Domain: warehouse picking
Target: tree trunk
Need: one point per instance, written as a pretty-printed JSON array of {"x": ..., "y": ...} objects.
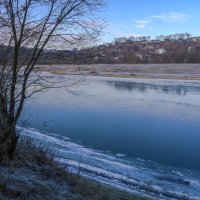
[
  {"x": 8, "y": 136},
  {"x": 8, "y": 143}
]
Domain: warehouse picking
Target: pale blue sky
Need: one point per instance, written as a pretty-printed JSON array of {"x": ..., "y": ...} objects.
[{"x": 151, "y": 17}]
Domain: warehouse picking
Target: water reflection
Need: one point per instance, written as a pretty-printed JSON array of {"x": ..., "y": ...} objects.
[{"x": 178, "y": 90}]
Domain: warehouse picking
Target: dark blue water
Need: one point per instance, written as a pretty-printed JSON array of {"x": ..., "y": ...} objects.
[{"x": 148, "y": 119}]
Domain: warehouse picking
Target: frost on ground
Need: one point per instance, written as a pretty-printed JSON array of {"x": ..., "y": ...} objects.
[{"x": 34, "y": 175}]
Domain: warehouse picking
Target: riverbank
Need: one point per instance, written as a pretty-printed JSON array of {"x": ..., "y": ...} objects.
[
  {"x": 34, "y": 174},
  {"x": 153, "y": 71}
]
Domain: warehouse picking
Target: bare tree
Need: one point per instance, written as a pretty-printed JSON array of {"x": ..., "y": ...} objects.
[{"x": 28, "y": 28}]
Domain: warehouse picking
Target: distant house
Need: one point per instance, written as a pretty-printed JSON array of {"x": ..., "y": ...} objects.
[
  {"x": 167, "y": 40},
  {"x": 139, "y": 55},
  {"x": 155, "y": 41},
  {"x": 189, "y": 49},
  {"x": 116, "y": 58},
  {"x": 120, "y": 40},
  {"x": 180, "y": 39},
  {"x": 190, "y": 39},
  {"x": 148, "y": 47},
  {"x": 196, "y": 39},
  {"x": 160, "y": 51}
]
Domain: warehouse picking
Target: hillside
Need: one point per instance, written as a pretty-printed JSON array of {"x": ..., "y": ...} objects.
[
  {"x": 143, "y": 51},
  {"x": 181, "y": 50}
]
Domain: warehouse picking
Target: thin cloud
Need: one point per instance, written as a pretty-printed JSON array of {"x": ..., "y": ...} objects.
[
  {"x": 173, "y": 17},
  {"x": 141, "y": 23},
  {"x": 121, "y": 30}
]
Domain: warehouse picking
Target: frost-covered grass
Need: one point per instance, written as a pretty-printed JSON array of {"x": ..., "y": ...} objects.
[{"x": 34, "y": 174}]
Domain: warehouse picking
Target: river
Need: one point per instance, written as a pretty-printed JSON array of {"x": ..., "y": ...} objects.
[{"x": 141, "y": 135}]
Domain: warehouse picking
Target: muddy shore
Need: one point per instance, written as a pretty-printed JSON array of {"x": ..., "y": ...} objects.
[{"x": 156, "y": 71}]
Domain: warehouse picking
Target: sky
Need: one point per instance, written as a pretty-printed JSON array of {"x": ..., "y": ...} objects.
[{"x": 150, "y": 18}]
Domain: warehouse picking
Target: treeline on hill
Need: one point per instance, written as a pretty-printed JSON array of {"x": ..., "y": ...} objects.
[{"x": 167, "y": 51}]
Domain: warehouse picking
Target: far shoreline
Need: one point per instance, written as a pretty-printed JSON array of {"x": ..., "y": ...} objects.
[{"x": 133, "y": 71}]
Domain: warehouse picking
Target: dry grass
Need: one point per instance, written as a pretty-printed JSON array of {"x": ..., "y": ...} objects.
[
  {"x": 34, "y": 174},
  {"x": 155, "y": 71},
  {"x": 91, "y": 190}
]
